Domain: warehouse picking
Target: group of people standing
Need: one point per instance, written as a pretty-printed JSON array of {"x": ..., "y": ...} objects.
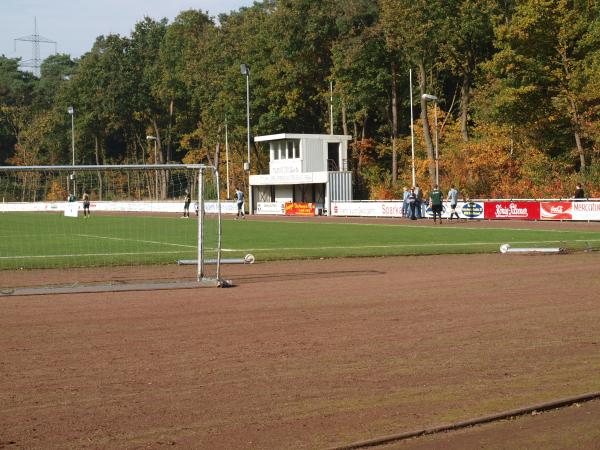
[{"x": 412, "y": 203}]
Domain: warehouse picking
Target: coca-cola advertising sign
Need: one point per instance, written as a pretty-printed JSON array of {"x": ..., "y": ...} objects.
[
  {"x": 512, "y": 210},
  {"x": 556, "y": 211}
]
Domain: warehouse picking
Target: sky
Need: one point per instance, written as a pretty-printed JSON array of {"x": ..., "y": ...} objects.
[{"x": 75, "y": 24}]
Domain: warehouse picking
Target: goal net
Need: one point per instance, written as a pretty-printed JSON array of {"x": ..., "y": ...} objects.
[{"x": 68, "y": 217}]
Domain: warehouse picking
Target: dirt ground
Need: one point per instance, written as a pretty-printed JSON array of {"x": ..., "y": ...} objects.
[{"x": 307, "y": 354}]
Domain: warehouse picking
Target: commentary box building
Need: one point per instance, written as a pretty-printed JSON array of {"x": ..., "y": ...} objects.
[{"x": 306, "y": 168}]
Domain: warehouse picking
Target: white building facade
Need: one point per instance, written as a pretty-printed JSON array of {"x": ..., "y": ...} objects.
[{"x": 303, "y": 168}]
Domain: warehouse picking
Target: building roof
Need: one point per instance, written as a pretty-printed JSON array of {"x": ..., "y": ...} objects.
[{"x": 281, "y": 136}]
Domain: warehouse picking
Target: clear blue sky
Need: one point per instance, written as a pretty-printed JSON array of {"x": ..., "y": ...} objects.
[{"x": 75, "y": 24}]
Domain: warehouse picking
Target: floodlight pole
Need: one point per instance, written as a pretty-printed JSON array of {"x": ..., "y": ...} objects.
[
  {"x": 227, "y": 158},
  {"x": 434, "y": 99},
  {"x": 71, "y": 111},
  {"x": 412, "y": 131},
  {"x": 245, "y": 70}
]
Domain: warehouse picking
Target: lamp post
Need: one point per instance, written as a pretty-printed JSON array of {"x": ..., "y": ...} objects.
[
  {"x": 433, "y": 98},
  {"x": 245, "y": 70},
  {"x": 71, "y": 111},
  {"x": 412, "y": 130},
  {"x": 153, "y": 138}
]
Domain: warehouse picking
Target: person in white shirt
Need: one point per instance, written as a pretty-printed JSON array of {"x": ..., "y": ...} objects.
[
  {"x": 453, "y": 199},
  {"x": 239, "y": 197}
]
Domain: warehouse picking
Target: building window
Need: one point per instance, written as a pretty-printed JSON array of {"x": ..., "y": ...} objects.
[{"x": 288, "y": 149}]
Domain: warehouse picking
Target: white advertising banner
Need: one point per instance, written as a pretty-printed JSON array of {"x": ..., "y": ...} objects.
[
  {"x": 585, "y": 210},
  {"x": 367, "y": 209},
  {"x": 72, "y": 209},
  {"x": 465, "y": 210},
  {"x": 228, "y": 207},
  {"x": 276, "y": 208}
]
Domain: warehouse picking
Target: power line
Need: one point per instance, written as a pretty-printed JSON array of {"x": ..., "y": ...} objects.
[{"x": 35, "y": 62}]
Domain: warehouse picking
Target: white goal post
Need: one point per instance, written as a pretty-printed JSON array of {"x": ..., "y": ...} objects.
[{"x": 131, "y": 211}]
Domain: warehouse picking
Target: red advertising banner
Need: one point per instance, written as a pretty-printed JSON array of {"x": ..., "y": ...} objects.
[
  {"x": 299, "y": 209},
  {"x": 512, "y": 210},
  {"x": 556, "y": 210}
]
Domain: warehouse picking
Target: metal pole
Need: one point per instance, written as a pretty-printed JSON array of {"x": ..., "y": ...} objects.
[
  {"x": 437, "y": 167},
  {"x": 248, "y": 115},
  {"x": 218, "y": 227},
  {"x": 331, "y": 106},
  {"x": 73, "y": 135},
  {"x": 412, "y": 133},
  {"x": 200, "y": 275},
  {"x": 156, "y": 171},
  {"x": 227, "y": 158},
  {"x": 72, "y": 110}
]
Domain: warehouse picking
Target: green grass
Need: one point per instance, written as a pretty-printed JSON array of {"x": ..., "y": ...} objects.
[{"x": 35, "y": 240}]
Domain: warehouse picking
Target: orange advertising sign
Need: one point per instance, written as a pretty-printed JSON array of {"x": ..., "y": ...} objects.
[{"x": 299, "y": 209}]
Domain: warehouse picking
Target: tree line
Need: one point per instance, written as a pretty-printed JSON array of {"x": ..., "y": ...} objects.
[{"x": 517, "y": 86}]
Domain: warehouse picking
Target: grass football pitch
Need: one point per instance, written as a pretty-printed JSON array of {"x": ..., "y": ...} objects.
[{"x": 45, "y": 240}]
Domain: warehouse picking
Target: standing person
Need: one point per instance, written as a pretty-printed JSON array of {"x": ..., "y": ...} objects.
[
  {"x": 418, "y": 201},
  {"x": 405, "y": 202},
  {"x": 435, "y": 199},
  {"x": 187, "y": 199},
  {"x": 239, "y": 197},
  {"x": 412, "y": 201},
  {"x": 453, "y": 199},
  {"x": 86, "y": 204},
  {"x": 579, "y": 193}
]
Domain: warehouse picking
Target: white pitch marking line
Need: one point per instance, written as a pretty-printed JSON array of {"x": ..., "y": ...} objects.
[
  {"x": 135, "y": 240},
  {"x": 87, "y": 254},
  {"x": 455, "y": 227},
  {"x": 443, "y": 244}
]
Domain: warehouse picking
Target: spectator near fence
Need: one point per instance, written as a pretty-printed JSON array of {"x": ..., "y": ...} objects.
[
  {"x": 579, "y": 193},
  {"x": 419, "y": 201},
  {"x": 412, "y": 201},
  {"x": 405, "y": 209}
]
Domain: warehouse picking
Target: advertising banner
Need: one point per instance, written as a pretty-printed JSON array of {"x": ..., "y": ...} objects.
[
  {"x": 227, "y": 207},
  {"x": 275, "y": 208},
  {"x": 299, "y": 209},
  {"x": 556, "y": 211},
  {"x": 367, "y": 209},
  {"x": 465, "y": 210},
  {"x": 72, "y": 209},
  {"x": 512, "y": 210},
  {"x": 585, "y": 210}
]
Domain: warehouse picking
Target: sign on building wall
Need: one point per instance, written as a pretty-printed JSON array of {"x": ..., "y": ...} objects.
[
  {"x": 299, "y": 209},
  {"x": 275, "y": 208}
]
